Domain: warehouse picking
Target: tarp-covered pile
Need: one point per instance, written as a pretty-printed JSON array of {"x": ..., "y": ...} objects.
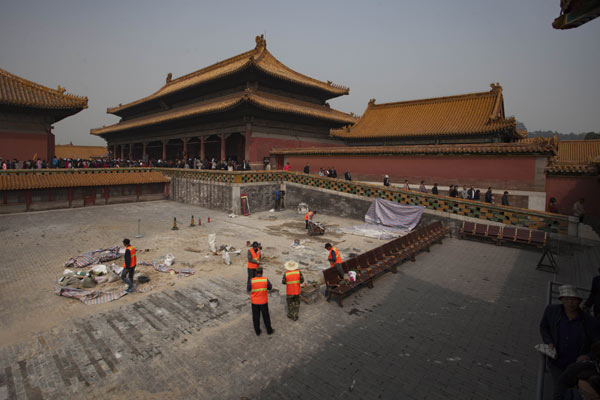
[
  {"x": 93, "y": 257},
  {"x": 386, "y": 219}
]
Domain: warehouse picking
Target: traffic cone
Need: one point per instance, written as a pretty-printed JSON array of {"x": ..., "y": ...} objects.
[
  {"x": 192, "y": 222},
  {"x": 209, "y": 220},
  {"x": 199, "y": 222},
  {"x": 174, "y": 228}
]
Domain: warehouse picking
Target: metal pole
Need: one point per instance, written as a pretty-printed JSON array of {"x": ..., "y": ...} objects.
[{"x": 139, "y": 234}]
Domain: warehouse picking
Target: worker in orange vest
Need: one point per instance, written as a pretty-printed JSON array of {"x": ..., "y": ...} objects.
[
  {"x": 292, "y": 278},
  {"x": 335, "y": 260},
  {"x": 129, "y": 265},
  {"x": 309, "y": 216},
  {"x": 259, "y": 288},
  {"x": 253, "y": 259}
]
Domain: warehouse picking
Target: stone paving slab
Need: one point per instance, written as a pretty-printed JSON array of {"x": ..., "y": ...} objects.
[{"x": 460, "y": 322}]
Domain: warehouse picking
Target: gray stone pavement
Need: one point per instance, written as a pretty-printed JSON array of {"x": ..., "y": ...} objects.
[{"x": 460, "y": 322}]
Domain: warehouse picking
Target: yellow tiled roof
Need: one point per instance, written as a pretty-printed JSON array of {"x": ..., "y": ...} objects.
[
  {"x": 543, "y": 146},
  {"x": 20, "y": 181},
  {"x": 468, "y": 114},
  {"x": 82, "y": 152},
  {"x": 576, "y": 157},
  {"x": 16, "y": 91},
  {"x": 258, "y": 98},
  {"x": 258, "y": 57},
  {"x": 578, "y": 151}
]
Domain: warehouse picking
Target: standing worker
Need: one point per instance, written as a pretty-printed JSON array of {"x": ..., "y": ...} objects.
[
  {"x": 259, "y": 297},
  {"x": 292, "y": 279},
  {"x": 129, "y": 265},
  {"x": 308, "y": 217},
  {"x": 253, "y": 260},
  {"x": 335, "y": 260}
]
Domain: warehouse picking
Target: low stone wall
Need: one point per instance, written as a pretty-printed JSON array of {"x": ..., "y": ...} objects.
[{"x": 468, "y": 208}]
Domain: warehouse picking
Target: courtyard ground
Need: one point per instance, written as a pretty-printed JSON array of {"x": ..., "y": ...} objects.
[{"x": 460, "y": 322}]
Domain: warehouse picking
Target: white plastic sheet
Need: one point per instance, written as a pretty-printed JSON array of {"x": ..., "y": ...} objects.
[{"x": 212, "y": 242}]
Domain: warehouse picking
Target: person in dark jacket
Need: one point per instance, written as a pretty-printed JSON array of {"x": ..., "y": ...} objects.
[
  {"x": 434, "y": 189},
  {"x": 569, "y": 330},
  {"x": 505, "y": 199},
  {"x": 593, "y": 301},
  {"x": 488, "y": 196}
]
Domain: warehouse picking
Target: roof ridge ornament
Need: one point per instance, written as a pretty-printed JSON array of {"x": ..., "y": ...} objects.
[
  {"x": 61, "y": 89},
  {"x": 372, "y": 102},
  {"x": 261, "y": 42},
  {"x": 495, "y": 86},
  {"x": 168, "y": 80}
]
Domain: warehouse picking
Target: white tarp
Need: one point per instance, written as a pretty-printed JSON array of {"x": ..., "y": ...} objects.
[
  {"x": 386, "y": 220},
  {"x": 394, "y": 215}
]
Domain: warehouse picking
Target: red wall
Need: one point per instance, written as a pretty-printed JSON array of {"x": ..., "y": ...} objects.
[
  {"x": 23, "y": 146},
  {"x": 510, "y": 172},
  {"x": 260, "y": 147},
  {"x": 568, "y": 189}
]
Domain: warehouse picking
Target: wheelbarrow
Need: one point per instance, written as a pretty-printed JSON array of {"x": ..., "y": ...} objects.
[{"x": 315, "y": 228}]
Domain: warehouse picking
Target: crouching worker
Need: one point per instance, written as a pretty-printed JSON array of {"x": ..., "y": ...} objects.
[
  {"x": 292, "y": 279},
  {"x": 259, "y": 297},
  {"x": 129, "y": 265},
  {"x": 335, "y": 260},
  {"x": 308, "y": 217}
]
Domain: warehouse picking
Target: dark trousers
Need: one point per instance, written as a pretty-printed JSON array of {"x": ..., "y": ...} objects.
[
  {"x": 251, "y": 274},
  {"x": 257, "y": 309},
  {"x": 340, "y": 270},
  {"x": 306, "y": 224},
  {"x": 125, "y": 273}
]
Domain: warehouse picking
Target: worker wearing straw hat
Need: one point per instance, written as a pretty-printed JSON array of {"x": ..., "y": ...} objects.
[{"x": 292, "y": 278}]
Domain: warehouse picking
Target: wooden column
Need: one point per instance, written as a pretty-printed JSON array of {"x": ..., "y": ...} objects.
[
  {"x": 106, "y": 194},
  {"x": 223, "y": 147},
  {"x": 114, "y": 152},
  {"x": 164, "y": 155},
  {"x": 70, "y": 196},
  {"x": 122, "y": 151},
  {"x": 27, "y": 199},
  {"x": 130, "y": 151},
  {"x": 202, "y": 148},
  {"x": 144, "y": 155},
  {"x": 185, "y": 142},
  {"x": 247, "y": 139}
]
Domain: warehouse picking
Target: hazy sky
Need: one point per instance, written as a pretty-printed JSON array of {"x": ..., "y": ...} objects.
[{"x": 119, "y": 51}]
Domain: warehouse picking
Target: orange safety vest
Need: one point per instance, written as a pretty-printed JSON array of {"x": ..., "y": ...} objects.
[
  {"x": 133, "y": 257},
  {"x": 292, "y": 282},
  {"x": 308, "y": 215},
  {"x": 338, "y": 259},
  {"x": 256, "y": 256},
  {"x": 259, "y": 293}
]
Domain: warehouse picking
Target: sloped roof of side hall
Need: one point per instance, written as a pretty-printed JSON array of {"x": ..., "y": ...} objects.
[
  {"x": 19, "y": 92},
  {"x": 463, "y": 115},
  {"x": 259, "y": 57}
]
